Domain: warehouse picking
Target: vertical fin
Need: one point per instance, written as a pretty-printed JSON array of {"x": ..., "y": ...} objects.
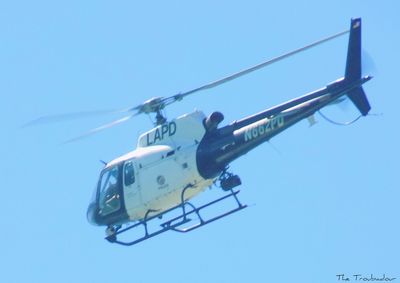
[{"x": 353, "y": 67}]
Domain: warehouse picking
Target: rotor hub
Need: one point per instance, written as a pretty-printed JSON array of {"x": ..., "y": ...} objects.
[{"x": 153, "y": 105}]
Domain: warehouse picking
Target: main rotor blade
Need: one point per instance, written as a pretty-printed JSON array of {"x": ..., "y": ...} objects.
[
  {"x": 257, "y": 67},
  {"x": 155, "y": 105},
  {"x": 74, "y": 115},
  {"x": 101, "y": 128}
]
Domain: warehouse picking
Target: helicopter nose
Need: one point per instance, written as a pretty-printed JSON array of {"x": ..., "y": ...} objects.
[{"x": 91, "y": 214}]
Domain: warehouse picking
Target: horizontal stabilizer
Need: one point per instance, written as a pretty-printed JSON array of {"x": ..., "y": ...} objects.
[{"x": 311, "y": 120}]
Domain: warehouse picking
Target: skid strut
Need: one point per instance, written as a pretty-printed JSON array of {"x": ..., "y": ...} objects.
[{"x": 176, "y": 223}]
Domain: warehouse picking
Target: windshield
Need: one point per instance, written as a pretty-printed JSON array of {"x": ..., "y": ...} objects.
[{"x": 109, "y": 198}]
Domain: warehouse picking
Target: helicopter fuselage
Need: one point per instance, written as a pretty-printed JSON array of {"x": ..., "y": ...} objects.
[{"x": 179, "y": 159}]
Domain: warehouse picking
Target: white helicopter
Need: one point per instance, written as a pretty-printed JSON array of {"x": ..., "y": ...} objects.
[{"x": 180, "y": 158}]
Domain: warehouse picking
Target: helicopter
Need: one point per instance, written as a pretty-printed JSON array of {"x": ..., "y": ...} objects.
[{"x": 180, "y": 158}]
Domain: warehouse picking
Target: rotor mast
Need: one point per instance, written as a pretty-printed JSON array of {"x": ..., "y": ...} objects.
[{"x": 160, "y": 118}]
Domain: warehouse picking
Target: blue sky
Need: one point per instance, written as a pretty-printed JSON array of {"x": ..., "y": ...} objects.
[{"x": 323, "y": 202}]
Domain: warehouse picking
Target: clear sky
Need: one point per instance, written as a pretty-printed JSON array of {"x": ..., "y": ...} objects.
[{"x": 323, "y": 200}]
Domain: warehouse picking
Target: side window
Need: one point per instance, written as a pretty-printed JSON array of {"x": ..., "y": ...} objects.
[{"x": 129, "y": 173}]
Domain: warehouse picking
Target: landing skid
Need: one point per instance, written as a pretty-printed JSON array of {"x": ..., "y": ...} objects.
[{"x": 176, "y": 224}]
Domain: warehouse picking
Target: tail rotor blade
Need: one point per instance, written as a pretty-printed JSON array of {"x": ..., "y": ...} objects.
[{"x": 369, "y": 65}]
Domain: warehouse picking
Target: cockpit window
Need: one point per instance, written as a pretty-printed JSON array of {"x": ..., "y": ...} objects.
[
  {"x": 109, "y": 198},
  {"x": 129, "y": 173}
]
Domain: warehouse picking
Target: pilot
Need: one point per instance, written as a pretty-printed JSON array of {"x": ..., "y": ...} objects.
[{"x": 112, "y": 198}]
